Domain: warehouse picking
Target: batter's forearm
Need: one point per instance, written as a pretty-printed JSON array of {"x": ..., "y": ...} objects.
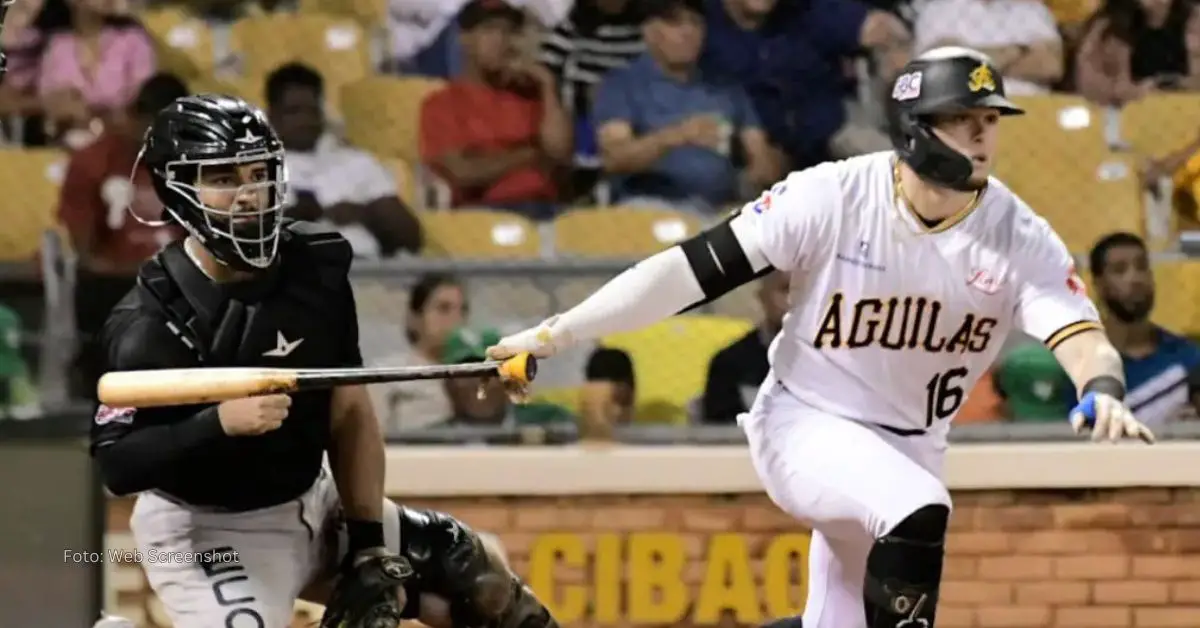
[
  {"x": 132, "y": 463},
  {"x": 1089, "y": 355}
]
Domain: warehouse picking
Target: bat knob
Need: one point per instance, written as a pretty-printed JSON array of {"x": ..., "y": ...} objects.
[{"x": 520, "y": 368}]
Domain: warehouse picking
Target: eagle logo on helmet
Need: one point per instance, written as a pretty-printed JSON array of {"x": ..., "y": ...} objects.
[{"x": 981, "y": 79}]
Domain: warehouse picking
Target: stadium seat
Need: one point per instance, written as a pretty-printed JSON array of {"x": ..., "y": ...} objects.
[
  {"x": 670, "y": 361},
  {"x": 35, "y": 176},
  {"x": 1054, "y": 134},
  {"x": 615, "y": 232},
  {"x": 479, "y": 234},
  {"x": 183, "y": 43},
  {"x": 383, "y": 114},
  {"x": 1093, "y": 194},
  {"x": 406, "y": 180},
  {"x": 1161, "y": 123},
  {"x": 369, "y": 13},
  {"x": 1177, "y": 298},
  {"x": 335, "y": 47}
]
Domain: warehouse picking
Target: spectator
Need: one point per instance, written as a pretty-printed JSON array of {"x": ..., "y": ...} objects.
[
  {"x": 1033, "y": 385},
  {"x": 1157, "y": 362},
  {"x": 93, "y": 62},
  {"x": 671, "y": 136},
  {"x": 1135, "y": 47},
  {"x": 737, "y": 371},
  {"x": 484, "y": 402},
  {"x": 608, "y": 396},
  {"x": 437, "y": 305},
  {"x": 598, "y": 36},
  {"x": 22, "y": 44},
  {"x": 498, "y": 133},
  {"x": 331, "y": 182},
  {"x": 1019, "y": 35},
  {"x": 422, "y": 36},
  {"x": 790, "y": 57},
  {"x": 95, "y": 203}
]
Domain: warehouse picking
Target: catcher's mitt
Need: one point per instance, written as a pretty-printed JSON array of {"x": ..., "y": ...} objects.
[{"x": 366, "y": 595}]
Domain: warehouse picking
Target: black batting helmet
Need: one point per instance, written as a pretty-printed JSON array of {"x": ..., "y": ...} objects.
[
  {"x": 943, "y": 80},
  {"x": 197, "y": 137}
]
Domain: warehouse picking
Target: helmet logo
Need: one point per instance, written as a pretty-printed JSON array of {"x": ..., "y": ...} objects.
[
  {"x": 907, "y": 87},
  {"x": 981, "y": 79}
]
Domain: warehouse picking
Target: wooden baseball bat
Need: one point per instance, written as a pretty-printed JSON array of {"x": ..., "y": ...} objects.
[{"x": 175, "y": 387}]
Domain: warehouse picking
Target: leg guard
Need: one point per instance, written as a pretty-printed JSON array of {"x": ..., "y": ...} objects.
[
  {"x": 453, "y": 563},
  {"x": 904, "y": 571}
]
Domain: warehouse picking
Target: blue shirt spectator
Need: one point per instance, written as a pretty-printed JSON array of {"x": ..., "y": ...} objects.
[
  {"x": 790, "y": 57},
  {"x": 1157, "y": 362},
  {"x": 669, "y": 133}
]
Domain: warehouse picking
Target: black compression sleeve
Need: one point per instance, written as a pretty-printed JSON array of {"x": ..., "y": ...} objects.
[{"x": 131, "y": 463}]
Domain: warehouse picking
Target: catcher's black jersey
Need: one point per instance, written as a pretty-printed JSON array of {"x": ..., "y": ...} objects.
[{"x": 300, "y": 314}]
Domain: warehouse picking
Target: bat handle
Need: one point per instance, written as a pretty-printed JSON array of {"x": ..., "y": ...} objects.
[{"x": 520, "y": 368}]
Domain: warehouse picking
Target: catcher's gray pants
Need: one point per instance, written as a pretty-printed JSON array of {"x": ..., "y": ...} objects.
[{"x": 239, "y": 570}]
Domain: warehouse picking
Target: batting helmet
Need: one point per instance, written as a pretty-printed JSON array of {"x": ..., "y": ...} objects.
[{"x": 943, "y": 80}]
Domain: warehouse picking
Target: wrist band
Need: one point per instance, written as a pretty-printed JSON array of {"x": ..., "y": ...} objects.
[
  {"x": 364, "y": 535},
  {"x": 1105, "y": 385}
]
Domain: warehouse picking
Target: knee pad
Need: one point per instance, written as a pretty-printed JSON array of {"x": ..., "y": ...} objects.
[
  {"x": 452, "y": 562},
  {"x": 904, "y": 571}
]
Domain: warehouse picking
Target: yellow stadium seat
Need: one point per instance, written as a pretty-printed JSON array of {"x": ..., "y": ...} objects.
[
  {"x": 621, "y": 231},
  {"x": 406, "y": 180},
  {"x": 479, "y": 234},
  {"x": 35, "y": 176},
  {"x": 183, "y": 42},
  {"x": 383, "y": 114},
  {"x": 1160, "y": 123},
  {"x": 1177, "y": 298},
  {"x": 335, "y": 47},
  {"x": 670, "y": 361},
  {"x": 369, "y": 13},
  {"x": 1056, "y": 129}
]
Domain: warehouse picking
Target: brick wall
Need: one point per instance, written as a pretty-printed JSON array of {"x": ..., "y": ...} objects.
[{"x": 1078, "y": 559}]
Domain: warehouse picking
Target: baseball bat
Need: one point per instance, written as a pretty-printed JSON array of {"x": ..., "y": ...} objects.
[{"x": 175, "y": 387}]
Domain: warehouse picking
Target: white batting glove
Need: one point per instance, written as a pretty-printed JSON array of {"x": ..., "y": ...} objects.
[
  {"x": 1108, "y": 418},
  {"x": 541, "y": 341}
]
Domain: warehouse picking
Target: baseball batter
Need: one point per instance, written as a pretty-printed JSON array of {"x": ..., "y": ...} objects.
[
  {"x": 908, "y": 269},
  {"x": 237, "y": 493}
]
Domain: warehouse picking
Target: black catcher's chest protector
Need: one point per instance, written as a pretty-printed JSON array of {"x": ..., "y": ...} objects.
[{"x": 298, "y": 314}]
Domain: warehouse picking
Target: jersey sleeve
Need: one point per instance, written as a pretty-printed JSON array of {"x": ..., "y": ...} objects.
[
  {"x": 134, "y": 340},
  {"x": 1052, "y": 301},
  {"x": 792, "y": 218}
]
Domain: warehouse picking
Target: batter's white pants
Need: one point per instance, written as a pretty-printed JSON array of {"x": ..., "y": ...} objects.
[
  {"x": 850, "y": 482},
  {"x": 279, "y": 550}
]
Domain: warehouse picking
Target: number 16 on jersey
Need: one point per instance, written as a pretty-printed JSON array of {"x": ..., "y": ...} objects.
[{"x": 944, "y": 395}]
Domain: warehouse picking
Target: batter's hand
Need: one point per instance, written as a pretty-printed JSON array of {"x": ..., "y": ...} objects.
[
  {"x": 254, "y": 415},
  {"x": 1108, "y": 418},
  {"x": 536, "y": 340}
]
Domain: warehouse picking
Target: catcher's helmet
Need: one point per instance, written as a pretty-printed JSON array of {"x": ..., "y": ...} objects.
[
  {"x": 196, "y": 136},
  {"x": 943, "y": 80}
]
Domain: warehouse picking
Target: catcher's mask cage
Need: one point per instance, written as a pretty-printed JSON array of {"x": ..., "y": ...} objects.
[
  {"x": 199, "y": 152},
  {"x": 942, "y": 81}
]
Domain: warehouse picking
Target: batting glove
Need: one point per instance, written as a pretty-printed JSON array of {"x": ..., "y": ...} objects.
[
  {"x": 1107, "y": 418},
  {"x": 542, "y": 341}
]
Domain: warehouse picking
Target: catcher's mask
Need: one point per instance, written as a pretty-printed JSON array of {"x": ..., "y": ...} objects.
[
  {"x": 218, "y": 168},
  {"x": 943, "y": 80}
]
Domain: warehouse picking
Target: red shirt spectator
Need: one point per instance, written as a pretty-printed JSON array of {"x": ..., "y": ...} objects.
[
  {"x": 93, "y": 204},
  {"x": 498, "y": 133},
  {"x": 473, "y": 118}
]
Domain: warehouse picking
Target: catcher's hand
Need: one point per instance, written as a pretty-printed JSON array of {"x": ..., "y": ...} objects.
[{"x": 369, "y": 594}]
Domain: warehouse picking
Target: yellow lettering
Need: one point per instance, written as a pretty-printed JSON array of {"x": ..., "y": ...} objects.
[
  {"x": 566, "y": 602},
  {"x": 606, "y": 578},
  {"x": 866, "y": 314},
  {"x": 785, "y": 574},
  {"x": 830, "y": 331},
  {"x": 728, "y": 584},
  {"x": 657, "y": 594}
]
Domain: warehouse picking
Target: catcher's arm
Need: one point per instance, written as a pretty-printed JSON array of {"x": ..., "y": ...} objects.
[{"x": 357, "y": 458}]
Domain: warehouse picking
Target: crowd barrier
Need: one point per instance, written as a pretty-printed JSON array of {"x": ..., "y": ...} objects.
[{"x": 1044, "y": 534}]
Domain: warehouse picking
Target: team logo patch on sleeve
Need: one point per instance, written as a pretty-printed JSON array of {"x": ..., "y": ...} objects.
[
  {"x": 1075, "y": 283},
  {"x": 106, "y": 415}
]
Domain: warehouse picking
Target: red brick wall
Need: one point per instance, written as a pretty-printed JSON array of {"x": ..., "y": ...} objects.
[{"x": 1078, "y": 559}]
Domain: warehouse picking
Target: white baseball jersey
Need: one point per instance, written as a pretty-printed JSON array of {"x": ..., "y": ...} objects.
[{"x": 893, "y": 322}]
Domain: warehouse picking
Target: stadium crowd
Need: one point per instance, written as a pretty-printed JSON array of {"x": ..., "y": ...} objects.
[{"x": 551, "y": 130}]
